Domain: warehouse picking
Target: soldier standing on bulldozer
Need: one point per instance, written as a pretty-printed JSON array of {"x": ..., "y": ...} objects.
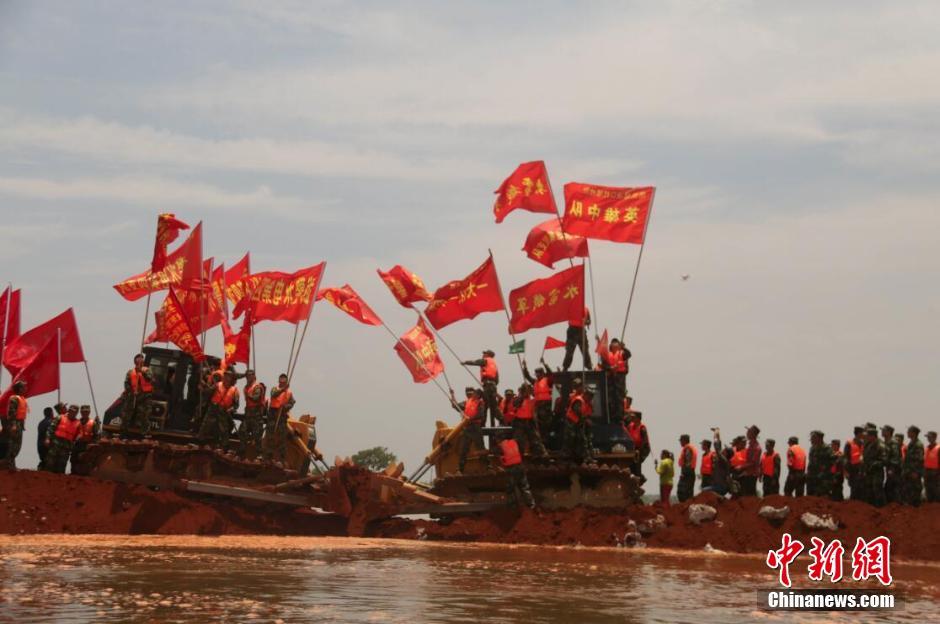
[
  {"x": 472, "y": 411},
  {"x": 577, "y": 423},
  {"x": 279, "y": 407},
  {"x": 489, "y": 376},
  {"x": 217, "y": 425},
  {"x": 615, "y": 362},
  {"x": 251, "y": 430},
  {"x": 138, "y": 391},
  {"x": 542, "y": 393},
  {"x": 524, "y": 430}
]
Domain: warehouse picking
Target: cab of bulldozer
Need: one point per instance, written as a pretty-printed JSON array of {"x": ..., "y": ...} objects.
[{"x": 608, "y": 437}]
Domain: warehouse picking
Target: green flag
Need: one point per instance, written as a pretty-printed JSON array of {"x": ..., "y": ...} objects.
[{"x": 517, "y": 347}]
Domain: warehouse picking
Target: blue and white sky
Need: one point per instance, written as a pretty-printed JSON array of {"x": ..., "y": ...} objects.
[{"x": 794, "y": 147}]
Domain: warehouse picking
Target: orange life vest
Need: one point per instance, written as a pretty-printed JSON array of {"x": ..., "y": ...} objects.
[
  {"x": 739, "y": 458},
  {"x": 489, "y": 372},
  {"x": 471, "y": 409},
  {"x": 836, "y": 468},
  {"x": 796, "y": 458},
  {"x": 571, "y": 415},
  {"x": 139, "y": 383},
  {"x": 635, "y": 431},
  {"x": 280, "y": 400},
  {"x": 543, "y": 389},
  {"x": 248, "y": 400},
  {"x": 527, "y": 410},
  {"x": 855, "y": 453},
  {"x": 68, "y": 429},
  {"x": 767, "y": 463},
  {"x": 509, "y": 453},
  {"x": 708, "y": 460},
  {"x": 224, "y": 397},
  {"x": 508, "y": 409},
  {"x": 616, "y": 362},
  {"x": 22, "y": 407},
  {"x": 903, "y": 452},
  {"x": 692, "y": 462},
  {"x": 932, "y": 457},
  {"x": 87, "y": 431}
]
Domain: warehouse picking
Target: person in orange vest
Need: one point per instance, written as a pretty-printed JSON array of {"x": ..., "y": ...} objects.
[
  {"x": 489, "y": 377},
  {"x": 838, "y": 471},
  {"x": 542, "y": 385},
  {"x": 770, "y": 469},
  {"x": 138, "y": 392},
  {"x": 274, "y": 443},
  {"x": 223, "y": 402},
  {"x": 524, "y": 429},
  {"x": 507, "y": 406},
  {"x": 912, "y": 472},
  {"x": 61, "y": 435},
  {"x": 737, "y": 461},
  {"x": 577, "y": 337},
  {"x": 751, "y": 469},
  {"x": 14, "y": 421},
  {"x": 795, "y": 484},
  {"x": 615, "y": 362},
  {"x": 932, "y": 468},
  {"x": 251, "y": 429},
  {"x": 471, "y": 410},
  {"x": 578, "y": 423},
  {"x": 852, "y": 459},
  {"x": 688, "y": 460},
  {"x": 510, "y": 458},
  {"x": 641, "y": 443},
  {"x": 708, "y": 464},
  {"x": 88, "y": 433}
]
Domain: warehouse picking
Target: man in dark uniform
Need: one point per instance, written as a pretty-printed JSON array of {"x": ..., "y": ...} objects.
[
  {"x": 852, "y": 456},
  {"x": 47, "y": 415},
  {"x": 138, "y": 391},
  {"x": 873, "y": 463},
  {"x": 931, "y": 468},
  {"x": 524, "y": 429},
  {"x": 892, "y": 465},
  {"x": 770, "y": 468},
  {"x": 912, "y": 471},
  {"x": 251, "y": 429},
  {"x": 795, "y": 484},
  {"x": 471, "y": 410},
  {"x": 542, "y": 393},
  {"x": 577, "y": 420},
  {"x": 577, "y": 337},
  {"x": 819, "y": 471},
  {"x": 518, "y": 483},
  {"x": 61, "y": 435},
  {"x": 489, "y": 377},
  {"x": 274, "y": 444},
  {"x": 838, "y": 471},
  {"x": 217, "y": 427},
  {"x": 687, "y": 463},
  {"x": 87, "y": 434},
  {"x": 615, "y": 362},
  {"x": 14, "y": 421}
]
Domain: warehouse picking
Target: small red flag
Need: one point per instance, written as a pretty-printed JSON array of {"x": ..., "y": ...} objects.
[
  {"x": 526, "y": 188},
  {"x": 277, "y": 296},
  {"x": 602, "y": 349},
  {"x": 418, "y": 351},
  {"x": 617, "y": 214},
  {"x": 547, "y": 244},
  {"x": 168, "y": 229},
  {"x": 349, "y": 301},
  {"x": 465, "y": 299},
  {"x": 10, "y": 302},
  {"x": 176, "y": 328},
  {"x": 21, "y": 350},
  {"x": 555, "y": 299},
  {"x": 406, "y": 287},
  {"x": 236, "y": 280},
  {"x": 137, "y": 286},
  {"x": 553, "y": 343},
  {"x": 40, "y": 372},
  {"x": 237, "y": 347}
]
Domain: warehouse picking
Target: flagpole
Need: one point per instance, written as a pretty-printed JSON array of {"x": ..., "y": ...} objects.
[
  {"x": 649, "y": 215},
  {"x": 291, "y": 367},
  {"x": 91, "y": 389},
  {"x": 143, "y": 335},
  {"x": 6, "y": 327},
  {"x": 506, "y": 308},
  {"x": 420, "y": 362},
  {"x": 444, "y": 342},
  {"x": 203, "y": 302},
  {"x": 58, "y": 390}
]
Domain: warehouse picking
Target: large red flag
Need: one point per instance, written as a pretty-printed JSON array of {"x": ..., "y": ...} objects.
[
  {"x": 194, "y": 272},
  {"x": 176, "y": 328},
  {"x": 406, "y": 287},
  {"x": 547, "y": 244},
  {"x": 418, "y": 351},
  {"x": 137, "y": 287},
  {"x": 40, "y": 372},
  {"x": 607, "y": 212},
  {"x": 168, "y": 229},
  {"x": 21, "y": 350},
  {"x": 555, "y": 299},
  {"x": 204, "y": 307},
  {"x": 553, "y": 343},
  {"x": 349, "y": 301},
  {"x": 9, "y": 301},
  {"x": 277, "y": 296},
  {"x": 466, "y": 298},
  {"x": 526, "y": 188},
  {"x": 236, "y": 279}
]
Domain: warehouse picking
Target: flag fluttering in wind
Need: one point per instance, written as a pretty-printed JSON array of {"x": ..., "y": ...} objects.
[
  {"x": 168, "y": 229},
  {"x": 617, "y": 214},
  {"x": 276, "y": 296},
  {"x": 418, "y": 351},
  {"x": 406, "y": 287},
  {"x": 40, "y": 372},
  {"x": 236, "y": 280},
  {"x": 465, "y": 299},
  {"x": 236, "y": 346},
  {"x": 9, "y": 314},
  {"x": 20, "y": 351},
  {"x": 555, "y": 299},
  {"x": 176, "y": 327},
  {"x": 553, "y": 343},
  {"x": 527, "y": 188},
  {"x": 188, "y": 253},
  {"x": 517, "y": 347},
  {"x": 349, "y": 301},
  {"x": 547, "y": 244},
  {"x": 602, "y": 349}
]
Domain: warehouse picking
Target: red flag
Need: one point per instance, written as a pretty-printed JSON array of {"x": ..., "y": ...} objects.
[
  {"x": 40, "y": 372},
  {"x": 10, "y": 301},
  {"x": 555, "y": 299},
  {"x": 194, "y": 272},
  {"x": 21, "y": 350},
  {"x": 607, "y": 212},
  {"x": 237, "y": 347},
  {"x": 349, "y": 301},
  {"x": 418, "y": 351},
  {"x": 547, "y": 244},
  {"x": 406, "y": 287},
  {"x": 236, "y": 279},
  {"x": 168, "y": 229},
  {"x": 553, "y": 343},
  {"x": 277, "y": 296},
  {"x": 137, "y": 287},
  {"x": 602, "y": 349},
  {"x": 466, "y": 298},
  {"x": 205, "y": 307},
  {"x": 526, "y": 188},
  {"x": 176, "y": 328}
]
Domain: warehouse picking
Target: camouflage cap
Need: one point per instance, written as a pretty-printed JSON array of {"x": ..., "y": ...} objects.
[
  {"x": 887, "y": 428},
  {"x": 914, "y": 428},
  {"x": 817, "y": 432}
]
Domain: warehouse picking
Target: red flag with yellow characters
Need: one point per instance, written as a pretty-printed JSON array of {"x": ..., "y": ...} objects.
[
  {"x": 466, "y": 298},
  {"x": 236, "y": 280},
  {"x": 277, "y": 296},
  {"x": 418, "y": 351},
  {"x": 555, "y": 299},
  {"x": 617, "y": 214},
  {"x": 176, "y": 328},
  {"x": 137, "y": 287},
  {"x": 168, "y": 229},
  {"x": 406, "y": 287},
  {"x": 547, "y": 244},
  {"x": 349, "y": 301},
  {"x": 526, "y": 188},
  {"x": 236, "y": 347}
]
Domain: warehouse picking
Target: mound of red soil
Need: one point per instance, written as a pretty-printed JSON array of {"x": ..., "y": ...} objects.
[{"x": 42, "y": 502}]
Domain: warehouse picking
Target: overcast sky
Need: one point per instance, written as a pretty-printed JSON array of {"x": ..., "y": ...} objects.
[{"x": 794, "y": 147}]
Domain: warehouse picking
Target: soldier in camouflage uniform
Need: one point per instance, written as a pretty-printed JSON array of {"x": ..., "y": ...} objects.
[
  {"x": 838, "y": 471},
  {"x": 819, "y": 470},
  {"x": 578, "y": 424},
  {"x": 13, "y": 422},
  {"x": 223, "y": 403},
  {"x": 61, "y": 435},
  {"x": 912, "y": 471},
  {"x": 138, "y": 390},
  {"x": 873, "y": 466},
  {"x": 892, "y": 465},
  {"x": 275, "y": 433},
  {"x": 251, "y": 430}
]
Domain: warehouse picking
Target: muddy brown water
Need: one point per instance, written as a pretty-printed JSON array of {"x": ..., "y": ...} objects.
[{"x": 66, "y": 578}]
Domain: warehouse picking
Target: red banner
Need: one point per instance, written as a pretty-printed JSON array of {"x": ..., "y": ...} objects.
[
  {"x": 20, "y": 351},
  {"x": 349, "y": 301},
  {"x": 607, "y": 212},
  {"x": 10, "y": 301},
  {"x": 418, "y": 351},
  {"x": 137, "y": 287},
  {"x": 168, "y": 229},
  {"x": 547, "y": 244},
  {"x": 176, "y": 328},
  {"x": 406, "y": 287},
  {"x": 526, "y": 188},
  {"x": 40, "y": 372},
  {"x": 277, "y": 296},
  {"x": 465, "y": 299},
  {"x": 553, "y": 343},
  {"x": 602, "y": 349},
  {"x": 236, "y": 280},
  {"x": 237, "y": 347},
  {"x": 555, "y": 299}
]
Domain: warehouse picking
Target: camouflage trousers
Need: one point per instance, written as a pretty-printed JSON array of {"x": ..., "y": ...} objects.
[
  {"x": 58, "y": 456},
  {"x": 216, "y": 427},
  {"x": 771, "y": 485},
  {"x": 577, "y": 444},
  {"x": 491, "y": 402},
  {"x": 472, "y": 437},
  {"x": 819, "y": 485},
  {"x": 837, "y": 493},
  {"x": 251, "y": 432},
  {"x": 527, "y": 437},
  {"x": 274, "y": 444},
  {"x": 932, "y": 485},
  {"x": 795, "y": 485},
  {"x": 875, "y": 487},
  {"x": 686, "y": 486},
  {"x": 893, "y": 485},
  {"x": 856, "y": 484},
  {"x": 13, "y": 432},
  {"x": 545, "y": 419},
  {"x": 518, "y": 486},
  {"x": 912, "y": 485},
  {"x": 77, "y": 449},
  {"x": 136, "y": 413}
]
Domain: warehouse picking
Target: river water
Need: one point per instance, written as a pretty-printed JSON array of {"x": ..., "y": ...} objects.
[{"x": 66, "y": 578}]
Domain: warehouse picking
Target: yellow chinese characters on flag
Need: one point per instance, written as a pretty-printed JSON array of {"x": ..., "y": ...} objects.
[
  {"x": 617, "y": 214},
  {"x": 418, "y": 351},
  {"x": 276, "y": 296},
  {"x": 542, "y": 302},
  {"x": 175, "y": 327}
]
